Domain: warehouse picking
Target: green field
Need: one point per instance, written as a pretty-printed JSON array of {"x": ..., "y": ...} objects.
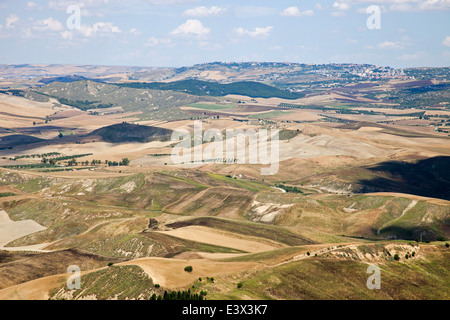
[{"x": 210, "y": 106}]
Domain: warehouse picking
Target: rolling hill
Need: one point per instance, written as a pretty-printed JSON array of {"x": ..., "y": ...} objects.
[{"x": 205, "y": 88}]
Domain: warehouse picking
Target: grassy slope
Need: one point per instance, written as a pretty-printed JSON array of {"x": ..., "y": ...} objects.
[
  {"x": 154, "y": 104},
  {"x": 327, "y": 278},
  {"x": 121, "y": 282},
  {"x": 246, "y": 228},
  {"x": 25, "y": 267},
  {"x": 201, "y": 88}
]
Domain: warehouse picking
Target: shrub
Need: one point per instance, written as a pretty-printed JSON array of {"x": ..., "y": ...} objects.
[
  {"x": 447, "y": 245},
  {"x": 188, "y": 269},
  {"x": 239, "y": 285},
  {"x": 396, "y": 257},
  {"x": 308, "y": 253},
  {"x": 110, "y": 264},
  {"x": 157, "y": 285}
]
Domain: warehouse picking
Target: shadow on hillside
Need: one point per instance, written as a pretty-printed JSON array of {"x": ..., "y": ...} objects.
[
  {"x": 429, "y": 178},
  {"x": 417, "y": 233}
]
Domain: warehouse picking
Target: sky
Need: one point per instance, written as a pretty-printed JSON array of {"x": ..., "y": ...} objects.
[{"x": 175, "y": 33}]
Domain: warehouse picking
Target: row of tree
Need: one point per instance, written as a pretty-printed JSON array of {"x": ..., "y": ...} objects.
[
  {"x": 74, "y": 162},
  {"x": 179, "y": 295}
]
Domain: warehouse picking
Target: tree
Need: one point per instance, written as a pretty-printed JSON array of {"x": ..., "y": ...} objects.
[
  {"x": 239, "y": 285},
  {"x": 60, "y": 135},
  {"x": 188, "y": 269},
  {"x": 396, "y": 257},
  {"x": 125, "y": 162}
]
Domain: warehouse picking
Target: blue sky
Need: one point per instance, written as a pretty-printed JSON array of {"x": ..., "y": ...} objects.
[{"x": 172, "y": 33}]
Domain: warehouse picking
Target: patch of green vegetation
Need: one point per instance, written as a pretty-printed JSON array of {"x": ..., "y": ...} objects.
[
  {"x": 290, "y": 189},
  {"x": 274, "y": 255},
  {"x": 202, "y": 88},
  {"x": 130, "y": 246},
  {"x": 196, "y": 184},
  {"x": 248, "y": 185},
  {"x": 210, "y": 106},
  {"x": 107, "y": 186},
  {"x": 115, "y": 282},
  {"x": 154, "y": 104},
  {"x": 412, "y": 223},
  {"x": 6, "y": 194},
  {"x": 286, "y": 134}
]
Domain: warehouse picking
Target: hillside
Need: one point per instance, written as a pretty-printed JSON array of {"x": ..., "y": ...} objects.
[
  {"x": 147, "y": 103},
  {"x": 204, "y": 88}
]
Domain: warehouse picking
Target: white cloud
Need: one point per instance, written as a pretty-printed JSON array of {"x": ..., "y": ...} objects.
[
  {"x": 254, "y": 33},
  {"x": 88, "y": 8},
  {"x": 191, "y": 27},
  {"x": 397, "y": 5},
  {"x": 295, "y": 12},
  {"x": 401, "y": 44},
  {"x": 67, "y": 35},
  {"x": 204, "y": 11},
  {"x": 48, "y": 24},
  {"x": 389, "y": 45},
  {"x": 63, "y": 4},
  {"x": 318, "y": 6},
  {"x": 341, "y": 5},
  {"x": 11, "y": 20},
  {"x": 31, "y": 5},
  {"x": 446, "y": 41},
  {"x": 135, "y": 32},
  {"x": 434, "y": 4},
  {"x": 103, "y": 29}
]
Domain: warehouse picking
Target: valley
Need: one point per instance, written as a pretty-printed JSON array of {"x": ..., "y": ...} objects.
[{"x": 87, "y": 178}]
